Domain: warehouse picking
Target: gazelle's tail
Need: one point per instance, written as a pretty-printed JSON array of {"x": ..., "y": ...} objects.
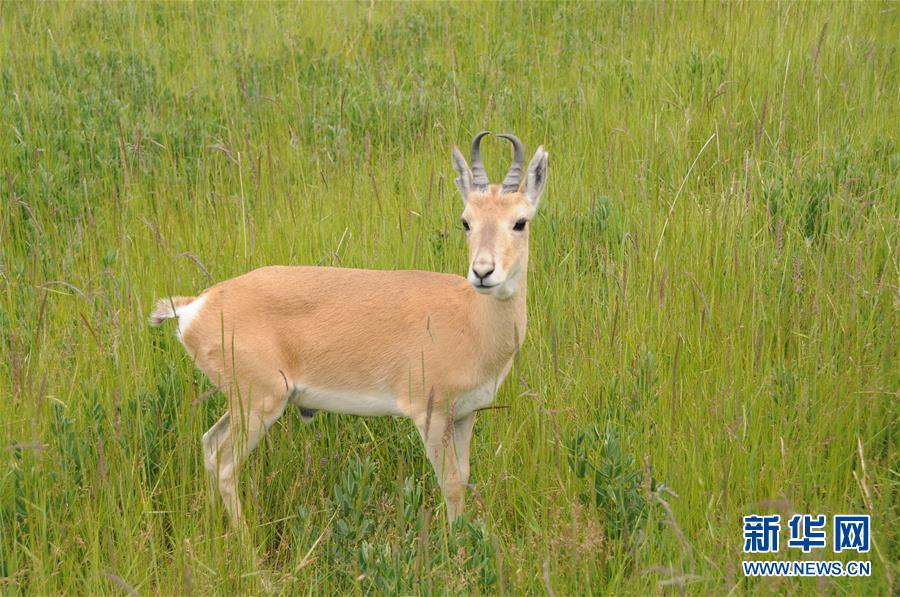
[{"x": 167, "y": 308}]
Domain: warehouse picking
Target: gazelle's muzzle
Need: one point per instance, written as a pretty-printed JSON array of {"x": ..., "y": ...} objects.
[
  {"x": 482, "y": 272},
  {"x": 488, "y": 275}
]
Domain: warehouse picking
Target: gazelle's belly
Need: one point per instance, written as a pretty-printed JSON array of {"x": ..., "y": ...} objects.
[{"x": 368, "y": 404}]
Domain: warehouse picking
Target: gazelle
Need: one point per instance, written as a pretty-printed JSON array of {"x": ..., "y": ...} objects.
[{"x": 429, "y": 346}]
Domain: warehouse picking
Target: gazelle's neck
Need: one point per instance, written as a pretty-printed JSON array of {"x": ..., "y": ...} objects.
[{"x": 503, "y": 322}]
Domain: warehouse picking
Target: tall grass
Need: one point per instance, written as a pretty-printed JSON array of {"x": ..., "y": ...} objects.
[{"x": 713, "y": 294}]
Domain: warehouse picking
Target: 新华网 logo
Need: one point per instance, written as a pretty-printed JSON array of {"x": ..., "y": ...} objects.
[{"x": 849, "y": 532}]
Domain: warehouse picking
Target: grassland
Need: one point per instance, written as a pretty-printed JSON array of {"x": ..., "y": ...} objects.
[{"x": 713, "y": 295}]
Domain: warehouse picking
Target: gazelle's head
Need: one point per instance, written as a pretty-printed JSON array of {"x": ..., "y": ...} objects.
[{"x": 496, "y": 217}]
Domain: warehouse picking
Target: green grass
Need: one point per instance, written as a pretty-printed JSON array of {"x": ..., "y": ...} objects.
[{"x": 713, "y": 294}]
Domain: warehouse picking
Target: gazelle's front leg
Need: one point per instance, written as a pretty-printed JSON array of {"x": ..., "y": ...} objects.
[
  {"x": 438, "y": 437},
  {"x": 462, "y": 437}
]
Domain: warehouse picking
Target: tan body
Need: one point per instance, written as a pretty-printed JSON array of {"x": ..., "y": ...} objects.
[
  {"x": 423, "y": 345},
  {"x": 393, "y": 334}
]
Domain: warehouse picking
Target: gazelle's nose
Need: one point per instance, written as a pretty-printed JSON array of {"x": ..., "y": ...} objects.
[{"x": 482, "y": 268}]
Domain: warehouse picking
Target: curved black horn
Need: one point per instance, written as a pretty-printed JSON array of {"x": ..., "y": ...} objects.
[
  {"x": 479, "y": 176},
  {"x": 511, "y": 182}
]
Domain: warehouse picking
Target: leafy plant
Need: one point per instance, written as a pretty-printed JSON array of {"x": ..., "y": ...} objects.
[
  {"x": 611, "y": 479},
  {"x": 352, "y": 501}
]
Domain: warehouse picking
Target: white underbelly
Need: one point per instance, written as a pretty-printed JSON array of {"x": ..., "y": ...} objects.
[{"x": 368, "y": 404}]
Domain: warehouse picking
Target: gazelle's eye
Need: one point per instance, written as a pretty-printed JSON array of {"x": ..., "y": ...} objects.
[
  {"x": 465, "y": 225},
  {"x": 520, "y": 225}
]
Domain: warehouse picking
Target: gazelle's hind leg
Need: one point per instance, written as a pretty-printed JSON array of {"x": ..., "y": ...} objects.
[
  {"x": 212, "y": 439},
  {"x": 230, "y": 441}
]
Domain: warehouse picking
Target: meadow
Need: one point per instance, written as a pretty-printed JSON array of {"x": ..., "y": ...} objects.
[{"x": 713, "y": 292}]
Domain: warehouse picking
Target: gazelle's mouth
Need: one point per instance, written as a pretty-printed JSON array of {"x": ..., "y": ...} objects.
[{"x": 482, "y": 288}]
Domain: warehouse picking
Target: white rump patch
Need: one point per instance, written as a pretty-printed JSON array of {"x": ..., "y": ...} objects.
[{"x": 187, "y": 313}]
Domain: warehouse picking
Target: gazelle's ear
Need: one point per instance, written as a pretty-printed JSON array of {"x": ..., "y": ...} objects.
[
  {"x": 536, "y": 176},
  {"x": 464, "y": 181}
]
